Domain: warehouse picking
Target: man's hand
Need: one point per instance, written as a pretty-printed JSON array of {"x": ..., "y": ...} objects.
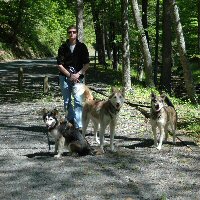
[{"x": 75, "y": 78}]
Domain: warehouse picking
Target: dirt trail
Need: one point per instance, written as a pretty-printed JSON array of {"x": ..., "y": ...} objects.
[{"x": 135, "y": 171}]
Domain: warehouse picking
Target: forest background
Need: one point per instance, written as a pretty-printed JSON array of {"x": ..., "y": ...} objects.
[
  {"x": 33, "y": 29},
  {"x": 150, "y": 54}
]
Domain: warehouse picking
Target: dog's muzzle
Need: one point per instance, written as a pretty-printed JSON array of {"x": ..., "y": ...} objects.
[{"x": 117, "y": 106}]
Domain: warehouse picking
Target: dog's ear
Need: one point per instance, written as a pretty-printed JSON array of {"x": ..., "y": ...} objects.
[
  {"x": 163, "y": 96},
  {"x": 55, "y": 112},
  {"x": 113, "y": 89},
  {"x": 44, "y": 113},
  {"x": 122, "y": 91},
  {"x": 62, "y": 120},
  {"x": 153, "y": 96}
]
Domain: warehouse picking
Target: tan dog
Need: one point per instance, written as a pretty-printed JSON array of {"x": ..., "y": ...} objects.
[
  {"x": 103, "y": 113},
  {"x": 65, "y": 135},
  {"x": 162, "y": 116}
]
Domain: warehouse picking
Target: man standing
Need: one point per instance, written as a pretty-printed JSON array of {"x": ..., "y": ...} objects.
[{"x": 73, "y": 61}]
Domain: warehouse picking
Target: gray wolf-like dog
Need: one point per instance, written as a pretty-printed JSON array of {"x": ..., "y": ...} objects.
[
  {"x": 65, "y": 135},
  {"x": 163, "y": 116},
  {"x": 103, "y": 113}
]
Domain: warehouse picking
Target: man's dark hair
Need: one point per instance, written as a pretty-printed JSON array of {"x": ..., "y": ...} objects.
[{"x": 71, "y": 27}]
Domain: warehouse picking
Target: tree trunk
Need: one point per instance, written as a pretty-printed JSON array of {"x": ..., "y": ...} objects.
[
  {"x": 165, "y": 79},
  {"x": 156, "y": 43},
  {"x": 100, "y": 47},
  {"x": 107, "y": 44},
  {"x": 114, "y": 45},
  {"x": 144, "y": 18},
  {"x": 199, "y": 33},
  {"x": 144, "y": 44},
  {"x": 125, "y": 49},
  {"x": 79, "y": 20},
  {"x": 182, "y": 51}
]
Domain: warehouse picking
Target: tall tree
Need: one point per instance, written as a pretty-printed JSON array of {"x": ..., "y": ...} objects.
[
  {"x": 156, "y": 43},
  {"x": 165, "y": 79},
  {"x": 113, "y": 35},
  {"x": 144, "y": 44},
  {"x": 113, "y": 26},
  {"x": 79, "y": 20},
  {"x": 145, "y": 18},
  {"x": 100, "y": 44},
  {"x": 182, "y": 51},
  {"x": 199, "y": 31},
  {"x": 125, "y": 49}
]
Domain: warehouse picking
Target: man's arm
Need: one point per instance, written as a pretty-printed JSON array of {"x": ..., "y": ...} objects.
[
  {"x": 75, "y": 77},
  {"x": 84, "y": 69},
  {"x": 64, "y": 71}
]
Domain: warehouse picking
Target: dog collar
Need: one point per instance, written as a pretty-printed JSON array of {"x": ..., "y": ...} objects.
[
  {"x": 52, "y": 127},
  {"x": 113, "y": 110},
  {"x": 156, "y": 114}
]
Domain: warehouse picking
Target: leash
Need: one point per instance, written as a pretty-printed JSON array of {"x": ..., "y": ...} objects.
[
  {"x": 112, "y": 111},
  {"x": 48, "y": 141}
]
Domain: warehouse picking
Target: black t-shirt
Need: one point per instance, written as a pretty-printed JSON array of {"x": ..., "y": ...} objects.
[{"x": 77, "y": 59}]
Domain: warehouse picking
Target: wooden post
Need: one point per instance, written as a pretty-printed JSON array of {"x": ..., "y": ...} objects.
[
  {"x": 46, "y": 85},
  {"x": 20, "y": 78}
]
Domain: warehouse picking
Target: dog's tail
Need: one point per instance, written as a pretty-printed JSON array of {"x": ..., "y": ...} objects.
[
  {"x": 88, "y": 150},
  {"x": 91, "y": 151},
  {"x": 167, "y": 100},
  {"x": 87, "y": 95}
]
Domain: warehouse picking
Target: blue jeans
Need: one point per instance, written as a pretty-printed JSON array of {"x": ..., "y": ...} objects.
[{"x": 74, "y": 112}]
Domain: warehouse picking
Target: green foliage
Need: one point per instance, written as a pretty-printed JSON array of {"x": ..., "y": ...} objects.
[
  {"x": 188, "y": 15},
  {"x": 37, "y": 28}
]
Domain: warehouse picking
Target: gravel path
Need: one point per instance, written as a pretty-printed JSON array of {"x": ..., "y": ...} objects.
[{"x": 136, "y": 171}]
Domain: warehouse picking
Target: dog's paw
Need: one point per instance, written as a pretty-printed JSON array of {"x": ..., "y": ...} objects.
[
  {"x": 113, "y": 150},
  {"x": 155, "y": 144},
  {"x": 158, "y": 147},
  {"x": 57, "y": 156},
  {"x": 97, "y": 140},
  {"x": 102, "y": 150}
]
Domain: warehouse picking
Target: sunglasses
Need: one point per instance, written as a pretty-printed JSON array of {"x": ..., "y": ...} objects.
[{"x": 69, "y": 32}]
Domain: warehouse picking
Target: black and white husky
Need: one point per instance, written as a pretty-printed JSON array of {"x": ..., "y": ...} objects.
[{"x": 65, "y": 135}]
